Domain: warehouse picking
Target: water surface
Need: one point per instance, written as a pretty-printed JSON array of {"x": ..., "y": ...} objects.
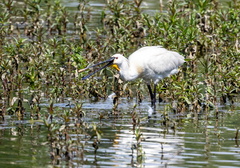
[{"x": 188, "y": 141}]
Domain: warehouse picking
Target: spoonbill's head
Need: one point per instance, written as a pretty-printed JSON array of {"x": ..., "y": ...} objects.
[
  {"x": 114, "y": 62},
  {"x": 117, "y": 61}
]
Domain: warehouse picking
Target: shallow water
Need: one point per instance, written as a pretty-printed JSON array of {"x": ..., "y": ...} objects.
[{"x": 206, "y": 139}]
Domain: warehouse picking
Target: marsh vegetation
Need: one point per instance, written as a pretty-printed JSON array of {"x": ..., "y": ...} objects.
[{"x": 43, "y": 45}]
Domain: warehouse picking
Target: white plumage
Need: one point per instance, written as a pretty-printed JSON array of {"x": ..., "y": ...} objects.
[{"x": 151, "y": 63}]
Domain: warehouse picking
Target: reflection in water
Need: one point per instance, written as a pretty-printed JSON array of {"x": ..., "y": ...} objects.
[
  {"x": 205, "y": 140},
  {"x": 23, "y": 144},
  {"x": 158, "y": 148}
]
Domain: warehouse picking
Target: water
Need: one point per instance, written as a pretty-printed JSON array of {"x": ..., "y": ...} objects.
[
  {"x": 23, "y": 144},
  {"x": 194, "y": 141}
]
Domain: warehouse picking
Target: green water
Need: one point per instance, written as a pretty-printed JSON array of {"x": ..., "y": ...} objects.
[
  {"x": 23, "y": 144},
  {"x": 197, "y": 141}
]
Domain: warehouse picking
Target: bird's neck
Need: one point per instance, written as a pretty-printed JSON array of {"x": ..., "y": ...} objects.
[{"x": 127, "y": 72}]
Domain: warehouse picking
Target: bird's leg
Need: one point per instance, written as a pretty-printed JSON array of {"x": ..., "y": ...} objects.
[
  {"x": 152, "y": 95},
  {"x": 150, "y": 91}
]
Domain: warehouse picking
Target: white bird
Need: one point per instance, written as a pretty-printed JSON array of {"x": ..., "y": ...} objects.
[{"x": 151, "y": 63}]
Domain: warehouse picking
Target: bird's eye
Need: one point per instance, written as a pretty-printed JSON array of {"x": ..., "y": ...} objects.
[{"x": 116, "y": 57}]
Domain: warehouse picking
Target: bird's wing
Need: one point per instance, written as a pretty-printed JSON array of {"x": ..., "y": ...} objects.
[
  {"x": 157, "y": 59},
  {"x": 166, "y": 62}
]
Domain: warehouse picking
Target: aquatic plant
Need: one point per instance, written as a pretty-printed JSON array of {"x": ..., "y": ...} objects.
[{"x": 136, "y": 122}]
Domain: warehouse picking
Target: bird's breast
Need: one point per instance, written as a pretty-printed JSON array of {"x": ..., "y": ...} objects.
[{"x": 130, "y": 73}]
